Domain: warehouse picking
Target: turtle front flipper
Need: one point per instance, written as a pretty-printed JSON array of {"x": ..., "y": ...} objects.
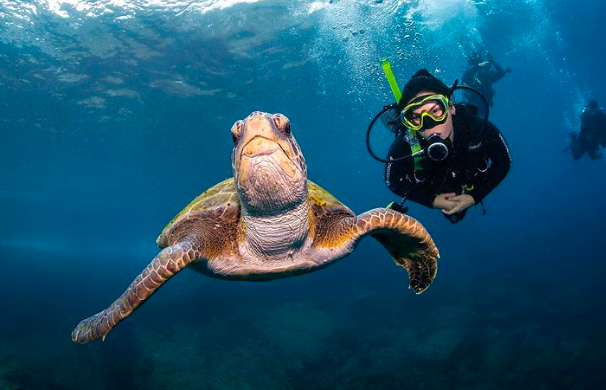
[
  {"x": 407, "y": 241},
  {"x": 167, "y": 263}
]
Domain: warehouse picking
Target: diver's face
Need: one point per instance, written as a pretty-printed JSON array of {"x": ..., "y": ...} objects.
[{"x": 444, "y": 130}]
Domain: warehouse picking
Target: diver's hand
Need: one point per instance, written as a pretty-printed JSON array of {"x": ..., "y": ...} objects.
[
  {"x": 508, "y": 70},
  {"x": 443, "y": 201},
  {"x": 462, "y": 202}
]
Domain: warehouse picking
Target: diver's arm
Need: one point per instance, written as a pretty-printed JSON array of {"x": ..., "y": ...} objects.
[
  {"x": 399, "y": 175},
  {"x": 500, "y": 161},
  {"x": 498, "y": 72}
]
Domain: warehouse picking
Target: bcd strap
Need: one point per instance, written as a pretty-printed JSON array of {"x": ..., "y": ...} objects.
[{"x": 415, "y": 147}]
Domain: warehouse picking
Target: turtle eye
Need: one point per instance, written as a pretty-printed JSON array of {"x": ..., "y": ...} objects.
[
  {"x": 236, "y": 131},
  {"x": 282, "y": 123}
]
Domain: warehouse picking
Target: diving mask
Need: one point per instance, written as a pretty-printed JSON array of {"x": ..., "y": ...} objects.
[{"x": 425, "y": 112}]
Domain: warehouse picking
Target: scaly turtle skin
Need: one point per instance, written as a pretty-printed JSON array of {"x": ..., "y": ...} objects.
[{"x": 267, "y": 222}]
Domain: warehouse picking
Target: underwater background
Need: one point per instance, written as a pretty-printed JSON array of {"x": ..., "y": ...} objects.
[{"x": 115, "y": 114}]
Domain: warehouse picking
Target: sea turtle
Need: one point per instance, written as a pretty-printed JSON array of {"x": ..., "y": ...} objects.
[{"x": 267, "y": 222}]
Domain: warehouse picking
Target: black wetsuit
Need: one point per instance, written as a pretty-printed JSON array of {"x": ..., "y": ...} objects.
[
  {"x": 593, "y": 134},
  {"x": 474, "y": 172},
  {"x": 482, "y": 78}
]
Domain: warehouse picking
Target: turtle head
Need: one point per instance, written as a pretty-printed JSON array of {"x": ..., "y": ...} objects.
[{"x": 269, "y": 169}]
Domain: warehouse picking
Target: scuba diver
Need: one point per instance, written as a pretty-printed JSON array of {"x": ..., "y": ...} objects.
[
  {"x": 480, "y": 75},
  {"x": 592, "y": 134},
  {"x": 443, "y": 156}
]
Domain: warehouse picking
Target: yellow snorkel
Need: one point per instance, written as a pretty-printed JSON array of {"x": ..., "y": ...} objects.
[
  {"x": 391, "y": 79},
  {"x": 410, "y": 136}
]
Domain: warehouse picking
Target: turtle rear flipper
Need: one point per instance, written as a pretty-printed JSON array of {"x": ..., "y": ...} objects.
[
  {"x": 407, "y": 241},
  {"x": 165, "y": 265}
]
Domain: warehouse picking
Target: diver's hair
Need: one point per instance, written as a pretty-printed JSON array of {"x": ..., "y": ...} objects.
[{"x": 421, "y": 81}]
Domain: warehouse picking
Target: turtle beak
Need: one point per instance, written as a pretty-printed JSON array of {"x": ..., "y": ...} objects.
[
  {"x": 258, "y": 125},
  {"x": 259, "y": 146}
]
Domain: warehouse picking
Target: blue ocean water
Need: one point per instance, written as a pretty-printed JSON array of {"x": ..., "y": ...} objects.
[{"x": 114, "y": 115}]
